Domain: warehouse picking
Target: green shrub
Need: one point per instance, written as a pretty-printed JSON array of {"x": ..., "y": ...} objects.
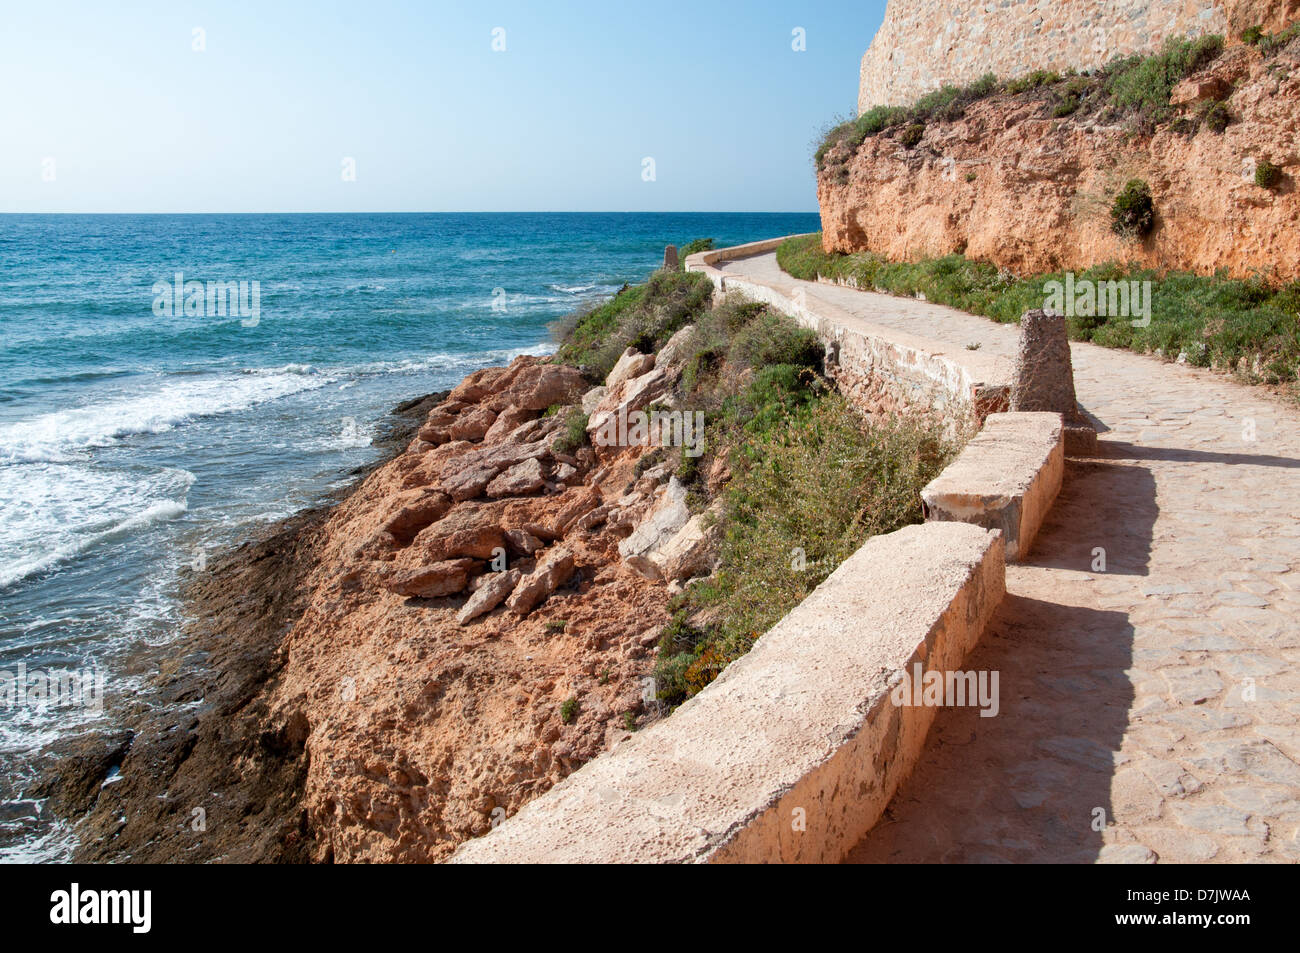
[
  {"x": 874, "y": 120},
  {"x": 569, "y": 709},
  {"x": 910, "y": 136},
  {"x": 643, "y": 317},
  {"x": 1252, "y": 35},
  {"x": 771, "y": 395},
  {"x": 1272, "y": 43},
  {"x": 1137, "y": 85},
  {"x": 1267, "y": 175},
  {"x": 947, "y": 104},
  {"x": 1216, "y": 116},
  {"x": 944, "y": 104},
  {"x": 1039, "y": 77},
  {"x": 575, "y": 431},
  {"x": 1142, "y": 84},
  {"x": 830, "y": 139},
  {"x": 1068, "y": 104},
  {"x": 700, "y": 365},
  {"x": 985, "y": 86},
  {"x": 804, "y": 496},
  {"x": 774, "y": 339},
  {"x": 696, "y": 246},
  {"x": 1132, "y": 214},
  {"x": 1215, "y": 321}
]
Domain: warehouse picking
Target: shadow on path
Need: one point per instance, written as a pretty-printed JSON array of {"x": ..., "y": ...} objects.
[
  {"x": 1027, "y": 784},
  {"x": 1132, "y": 451}
]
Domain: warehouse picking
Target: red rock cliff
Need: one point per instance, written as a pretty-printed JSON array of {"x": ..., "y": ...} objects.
[{"x": 1013, "y": 185}]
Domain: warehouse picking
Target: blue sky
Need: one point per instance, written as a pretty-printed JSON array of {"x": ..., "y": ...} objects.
[{"x": 135, "y": 119}]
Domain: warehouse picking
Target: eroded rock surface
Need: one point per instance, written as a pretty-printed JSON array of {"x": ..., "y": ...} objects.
[
  {"x": 429, "y": 630},
  {"x": 1011, "y": 184}
]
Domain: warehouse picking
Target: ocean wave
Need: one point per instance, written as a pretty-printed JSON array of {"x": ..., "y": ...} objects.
[
  {"x": 62, "y": 436},
  {"x": 22, "y": 566},
  {"x": 444, "y": 361},
  {"x": 305, "y": 369},
  {"x": 585, "y": 290}
]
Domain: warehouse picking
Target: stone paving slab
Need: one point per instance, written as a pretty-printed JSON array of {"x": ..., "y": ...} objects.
[{"x": 1147, "y": 650}]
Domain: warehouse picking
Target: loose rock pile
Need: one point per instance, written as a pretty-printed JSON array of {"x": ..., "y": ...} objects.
[{"x": 471, "y": 587}]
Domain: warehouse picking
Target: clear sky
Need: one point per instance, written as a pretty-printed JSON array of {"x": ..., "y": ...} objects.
[{"x": 108, "y": 107}]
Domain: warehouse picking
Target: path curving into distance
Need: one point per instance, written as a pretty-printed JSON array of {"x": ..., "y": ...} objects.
[{"x": 1161, "y": 695}]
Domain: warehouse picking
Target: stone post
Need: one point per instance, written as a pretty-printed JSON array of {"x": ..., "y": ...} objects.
[
  {"x": 670, "y": 257},
  {"x": 1044, "y": 378}
]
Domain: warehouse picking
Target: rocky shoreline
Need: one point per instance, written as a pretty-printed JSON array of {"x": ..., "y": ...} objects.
[
  {"x": 229, "y": 652},
  {"x": 386, "y": 675}
]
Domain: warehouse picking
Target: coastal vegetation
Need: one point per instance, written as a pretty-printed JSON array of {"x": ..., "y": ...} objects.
[
  {"x": 692, "y": 247},
  {"x": 1249, "y": 326},
  {"x": 811, "y": 481},
  {"x": 1270, "y": 43},
  {"x": 1132, "y": 214},
  {"x": 1267, "y": 175},
  {"x": 642, "y": 316},
  {"x": 791, "y": 479},
  {"x": 1134, "y": 89}
]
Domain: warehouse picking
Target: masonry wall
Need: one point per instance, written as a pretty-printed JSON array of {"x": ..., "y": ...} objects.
[
  {"x": 794, "y": 751},
  {"x": 880, "y": 370},
  {"x": 923, "y": 44}
]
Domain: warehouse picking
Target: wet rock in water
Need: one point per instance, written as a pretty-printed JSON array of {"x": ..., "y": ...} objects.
[{"x": 80, "y": 766}]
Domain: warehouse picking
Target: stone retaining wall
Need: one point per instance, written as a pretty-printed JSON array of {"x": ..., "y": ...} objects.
[
  {"x": 882, "y": 371},
  {"x": 795, "y": 750}
]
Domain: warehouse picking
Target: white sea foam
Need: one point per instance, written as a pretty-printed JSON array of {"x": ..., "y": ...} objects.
[
  {"x": 61, "y": 436},
  {"x": 452, "y": 363},
  {"x": 51, "y": 513}
]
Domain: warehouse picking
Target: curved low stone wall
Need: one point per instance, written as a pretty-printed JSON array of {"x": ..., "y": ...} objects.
[
  {"x": 879, "y": 369},
  {"x": 794, "y": 751}
]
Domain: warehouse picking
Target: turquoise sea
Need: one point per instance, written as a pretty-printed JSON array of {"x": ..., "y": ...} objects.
[{"x": 136, "y": 436}]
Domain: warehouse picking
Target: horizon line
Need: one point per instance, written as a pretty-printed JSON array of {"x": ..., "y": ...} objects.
[{"x": 467, "y": 212}]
